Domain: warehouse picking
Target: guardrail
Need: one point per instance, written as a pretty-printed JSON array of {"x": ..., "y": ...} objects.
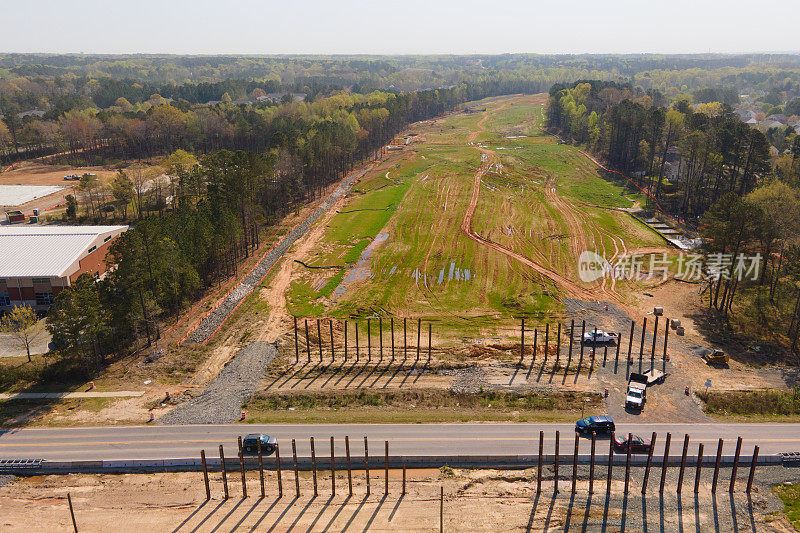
[
  {"x": 503, "y": 462},
  {"x": 19, "y": 465}
]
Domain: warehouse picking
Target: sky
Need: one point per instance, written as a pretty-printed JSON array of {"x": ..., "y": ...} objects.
[{"x": 399, "y": 26}]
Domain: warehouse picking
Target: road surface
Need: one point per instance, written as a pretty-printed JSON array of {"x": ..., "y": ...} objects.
[{"x": 173, "y": 442}]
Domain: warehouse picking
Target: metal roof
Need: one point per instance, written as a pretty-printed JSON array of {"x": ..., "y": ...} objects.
[
  {"x": 12, "y": 195},
  {"x": 45, "y": 251}
]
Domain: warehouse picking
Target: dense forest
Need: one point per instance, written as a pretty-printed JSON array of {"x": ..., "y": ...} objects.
[
  {"x": 703, "y": 166},
  {"x": 139, "y": 105}
]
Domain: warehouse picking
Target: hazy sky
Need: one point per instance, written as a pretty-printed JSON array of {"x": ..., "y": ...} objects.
[{"x": 398, "y": 26}]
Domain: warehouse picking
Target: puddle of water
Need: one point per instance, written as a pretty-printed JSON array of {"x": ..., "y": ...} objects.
[
  {"x": 361, "y": 270},
  {"x": 453, "y": 273}
]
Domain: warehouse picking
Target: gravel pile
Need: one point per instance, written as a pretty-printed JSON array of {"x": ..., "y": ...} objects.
[
  {"x": 595, "y": 314},
  {"x": 468, "y": 380},
  {"x": 212, "y": 322},
  {"x": 222, "y": 400}
]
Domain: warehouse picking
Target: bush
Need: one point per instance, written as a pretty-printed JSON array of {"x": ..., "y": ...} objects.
[
  {"x": 766, "y": 402},
  {"x": 425, "y": 398}
]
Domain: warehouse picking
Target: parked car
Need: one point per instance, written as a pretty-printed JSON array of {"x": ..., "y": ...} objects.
[
  {"x": 599, "y": 337},
  {"x": 637, "y": 444},
  {"x": 72, "y": 177},
  {"x": 597, "y": 424},
  {"x": 252, "y": 441}
]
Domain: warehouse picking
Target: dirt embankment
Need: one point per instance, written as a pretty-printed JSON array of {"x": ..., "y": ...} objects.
[{"x": 474, "y": 500}]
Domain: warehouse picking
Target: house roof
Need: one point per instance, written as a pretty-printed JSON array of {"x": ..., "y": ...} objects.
[{"x": 45, "y": 251}]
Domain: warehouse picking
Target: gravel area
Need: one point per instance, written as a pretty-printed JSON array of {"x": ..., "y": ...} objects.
[
  {"x": 214, "y": 320},
  {"x": 467, "y": 380},
  {"x": 665, "y": 402},
  {"x": 222, "y": 400}
]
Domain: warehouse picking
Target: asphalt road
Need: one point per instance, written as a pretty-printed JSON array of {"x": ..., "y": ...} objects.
[{"x": 173, "y": 442}]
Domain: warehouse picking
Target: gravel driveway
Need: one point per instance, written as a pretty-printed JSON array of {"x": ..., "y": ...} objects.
[
  {"x": 666, "y": 402},
  {"x": 221, "y": 402}
]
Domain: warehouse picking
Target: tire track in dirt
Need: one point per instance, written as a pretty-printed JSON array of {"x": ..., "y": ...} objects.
[
  {"x": 570, "y": 287},
  {"x": 599, "y": 245},
  {"x": 578, "y": 223}
]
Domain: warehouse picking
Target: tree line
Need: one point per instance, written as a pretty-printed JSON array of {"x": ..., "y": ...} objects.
[
  {"x": 685, "y": 157},
  {"x": 211, "y": 208},
  {"x": 53, "y": 103},
  {"x": 702, "y": 165}
]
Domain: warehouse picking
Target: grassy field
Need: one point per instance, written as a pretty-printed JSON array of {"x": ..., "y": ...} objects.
[
  {"x": 790, "y": 495},
  {"x": 396, "y": 249},
  {"x": 767, "y": 405}
]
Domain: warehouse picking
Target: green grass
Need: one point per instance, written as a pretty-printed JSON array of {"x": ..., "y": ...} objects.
[
  {"x": 300, "y": 300},
  {"x": 790, "y": 495},
  {"x": 423, "y": 217},
  {"x": 406, "y": 416}
]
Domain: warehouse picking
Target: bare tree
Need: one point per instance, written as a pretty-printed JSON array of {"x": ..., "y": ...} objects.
[{"x": 140, "y": 177}]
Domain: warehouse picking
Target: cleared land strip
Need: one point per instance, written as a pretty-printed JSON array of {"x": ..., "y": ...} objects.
[
  {"x": 221, "y": 402},
  {"x": 212, "y": 322},
  {"x": 69, "y": 395},
  {"x": 466, "y": 226}
]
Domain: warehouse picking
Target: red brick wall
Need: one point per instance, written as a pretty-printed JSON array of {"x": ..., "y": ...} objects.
[{"x": 94, "y": 263}]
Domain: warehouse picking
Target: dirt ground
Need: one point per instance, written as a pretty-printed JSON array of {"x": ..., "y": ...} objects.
[
  {"x": 32, "y": 173},
  {"x": 744, "y": 372},
  {"x": 35, "y": 173},
  {"x": 171, "y": 369},
  {"x": 497, "y": 365},
  {"x": 474, "y": 500}
]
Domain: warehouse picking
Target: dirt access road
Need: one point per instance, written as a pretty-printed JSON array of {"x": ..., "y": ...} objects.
[{"x": 571, "y": 288}]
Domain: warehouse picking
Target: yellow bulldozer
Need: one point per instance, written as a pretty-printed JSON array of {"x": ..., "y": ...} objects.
[{"x": 716, "y": 357}]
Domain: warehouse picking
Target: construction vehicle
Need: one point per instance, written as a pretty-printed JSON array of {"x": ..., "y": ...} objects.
[
  {"x": 716, "y": 357},
  {"x": 637, "y": 392}
]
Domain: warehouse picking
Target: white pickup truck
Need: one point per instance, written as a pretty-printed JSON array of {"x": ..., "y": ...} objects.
[
  {"x": 637, "y": 392},
  {"x": 600, "y": 337}
]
